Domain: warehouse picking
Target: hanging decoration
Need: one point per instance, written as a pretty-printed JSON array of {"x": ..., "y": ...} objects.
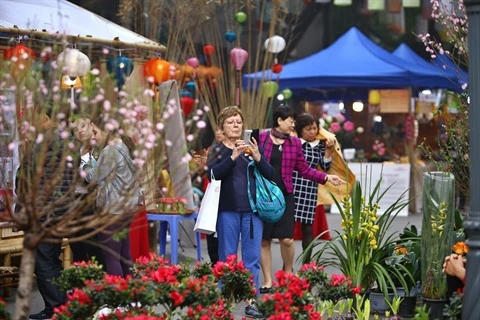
[
  {"x": 187, "y": 104},
  {"x": 287, "y": 93},
  {"x": 238, "y": 56},
  {"x": 20, "y": 60},
  {"x": 342, "y": 2},
  {"x": 376, "y": 5},
  {"x": 190, "y": 86},
  {"x": 186, "y": 93},
  {"x": 411, "y": 3},
  {"x": 209, "y": 50},
  {"x": 240, "y": 17},
  {"x": 230, "y": 36},
  {"x": 275, "y": 44},
  {"x": 374, "y": 97},
  {"x": 74, "y": 62},
  {"x": 194, "y": 63},
  {"x": 277, "y": 68},
  {"x": 69, "y": 83},
  {"x": 269, "y": 89},
  {"x": 121, "y": 67},
  {"x": 157, "y": 68}
]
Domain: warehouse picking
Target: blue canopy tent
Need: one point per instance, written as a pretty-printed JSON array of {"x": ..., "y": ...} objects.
[
  {"x": 443, "y": 62},
  {"x": 353, "y": 61},
  {"x": 405, "y": 53}
]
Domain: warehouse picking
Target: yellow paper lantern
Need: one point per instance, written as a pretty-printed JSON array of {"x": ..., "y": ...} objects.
[
  {"x": 71, "y": 83},
  {"x": 411, "y": 3},
  {"x": 376, "y": 5},
  {"x": 342, "y": 2},
  {"x": 374, "y": 97}
]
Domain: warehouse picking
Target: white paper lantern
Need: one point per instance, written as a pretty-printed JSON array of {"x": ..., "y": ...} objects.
[
  {"x": 376, "y": 5},
  {"x": 73, "y": 63},
  {"x": 411, "y": 3},
  {"x": 275, "y": 44},
  {"x": 357, "y": 106},
  {"x": 342, "y": 2}
]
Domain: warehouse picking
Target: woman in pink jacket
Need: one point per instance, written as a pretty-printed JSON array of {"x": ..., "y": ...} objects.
[{"x": 284, "y": 153}]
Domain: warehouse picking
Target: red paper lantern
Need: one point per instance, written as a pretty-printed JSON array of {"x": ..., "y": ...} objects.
[
  {"x": 277, "y": 68},
  {"x": 22, "y": 57},
  {"x": 209, "y": 50},
  {"x": 157, "y": 68},
  {"x": 187, "y": 104}
]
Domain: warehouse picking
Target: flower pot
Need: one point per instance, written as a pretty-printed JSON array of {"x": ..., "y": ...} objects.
[
  {"x": 407, "y": 307},
  {"x": 378, "y": 303},
  {"x": 435, "y": 308}
]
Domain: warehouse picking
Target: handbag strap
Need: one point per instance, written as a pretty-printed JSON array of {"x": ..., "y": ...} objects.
[{"x": 250, "y": 198}]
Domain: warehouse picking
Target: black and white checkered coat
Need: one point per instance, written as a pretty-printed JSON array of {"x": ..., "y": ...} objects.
[{"x": 306, "y": 191}]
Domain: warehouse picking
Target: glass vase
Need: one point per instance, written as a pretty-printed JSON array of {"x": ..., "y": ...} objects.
[{"x": 437, "y": 231}]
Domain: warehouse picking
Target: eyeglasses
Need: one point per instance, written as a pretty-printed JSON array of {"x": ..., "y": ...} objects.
[{"x": 232, "y": 122}]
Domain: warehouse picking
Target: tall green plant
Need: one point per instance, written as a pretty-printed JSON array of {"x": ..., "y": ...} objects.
[
  {"x": 437, "y": 231},
  {"x": 360, "y": 251}
]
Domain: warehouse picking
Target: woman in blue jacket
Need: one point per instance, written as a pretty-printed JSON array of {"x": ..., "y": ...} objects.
[{"x": 227, "y": 161}]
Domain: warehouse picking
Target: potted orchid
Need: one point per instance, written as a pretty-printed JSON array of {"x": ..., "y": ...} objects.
[{"x": 361, "y": 249}]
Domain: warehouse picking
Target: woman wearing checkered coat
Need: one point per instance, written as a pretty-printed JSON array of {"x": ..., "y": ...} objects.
[
  {"x": 317, "y": 153},
  {"x": 284, "y": 153}
]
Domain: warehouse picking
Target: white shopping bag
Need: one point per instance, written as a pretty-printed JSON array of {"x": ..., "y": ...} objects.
[{"x": 207, "y": 215}]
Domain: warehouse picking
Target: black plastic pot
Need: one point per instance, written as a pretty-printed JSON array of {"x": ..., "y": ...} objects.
[
  {"x": 407, "y": 307},
  {"x": 435, "y": 308}
]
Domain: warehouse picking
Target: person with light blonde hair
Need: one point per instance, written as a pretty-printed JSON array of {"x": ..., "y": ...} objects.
[{"x": 228, "y": 161}]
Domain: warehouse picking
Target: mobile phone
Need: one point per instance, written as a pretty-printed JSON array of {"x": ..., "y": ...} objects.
[
  {"x": 256, "y": 134},
  {"x": 247, "y": 135}
]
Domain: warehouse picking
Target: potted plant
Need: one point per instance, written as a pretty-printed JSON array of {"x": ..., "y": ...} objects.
[
  {"x": 363, "y": 246},
  {"x": 437, "y": 237},
  {"x": 160, "y": 290},
  {"x": 405, "y": 258}
]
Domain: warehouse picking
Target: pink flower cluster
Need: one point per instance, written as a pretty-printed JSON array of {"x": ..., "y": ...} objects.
[
  {"x": 336, "y": 124},
  {"x": 379, "y": 148}
]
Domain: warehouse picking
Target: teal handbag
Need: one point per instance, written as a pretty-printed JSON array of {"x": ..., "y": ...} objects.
[{"x": 270, "y": 202}]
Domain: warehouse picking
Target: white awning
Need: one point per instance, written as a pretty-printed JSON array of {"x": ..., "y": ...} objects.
[{"x": 63, "y": 17}]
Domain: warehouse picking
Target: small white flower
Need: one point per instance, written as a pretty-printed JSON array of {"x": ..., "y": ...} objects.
[{"x": 201, "y": 124}]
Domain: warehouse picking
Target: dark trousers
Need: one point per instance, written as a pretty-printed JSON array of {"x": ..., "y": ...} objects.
[
  {"x": 212, "y": 247},
  {"x": 116, "y": 252},
  {"x": 47, "y": 267},
  {"x": 307, "y": 232},
  {"x": 87, "y": 249}
]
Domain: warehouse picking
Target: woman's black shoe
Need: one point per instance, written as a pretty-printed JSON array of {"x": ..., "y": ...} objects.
[{"x": 264, "y": 290}]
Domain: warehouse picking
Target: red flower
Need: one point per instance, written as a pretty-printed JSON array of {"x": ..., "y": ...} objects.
[
  {"x": 357, "y": 289},
  {"x": 177, "y": 298}
]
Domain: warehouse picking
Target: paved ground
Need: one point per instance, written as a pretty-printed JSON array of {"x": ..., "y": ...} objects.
[{"x": 334, "y": 223}]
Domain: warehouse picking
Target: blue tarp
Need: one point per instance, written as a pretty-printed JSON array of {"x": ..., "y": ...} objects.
[
  {"x": 353, "y": 61},
  {"x": 444, "y": 63},
  {"x": 439, "y": 76}
]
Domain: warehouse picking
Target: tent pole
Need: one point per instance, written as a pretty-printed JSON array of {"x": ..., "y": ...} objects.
[{"x": 152, "y": 46}]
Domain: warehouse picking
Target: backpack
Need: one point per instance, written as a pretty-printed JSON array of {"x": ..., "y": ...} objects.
[{"x": 270, "y": 203}]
